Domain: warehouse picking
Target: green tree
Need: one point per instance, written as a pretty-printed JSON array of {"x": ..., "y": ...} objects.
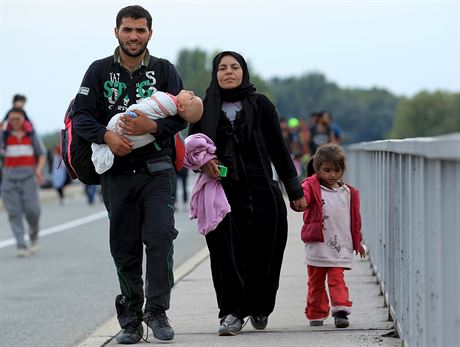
[
  {"x": 427, "y": 114},
  {"x": 51, "y": 140},
  {"x": 362, "y": 114},
  {"x": 194, "y": 67}
]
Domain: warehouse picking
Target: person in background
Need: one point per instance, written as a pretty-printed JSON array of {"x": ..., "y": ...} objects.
[
  {"x": 59, "y": 174},
  {"x": 314, "y": 118},
  {"x": 24, "y": 159},
  {"x": 139, "y": 189},
  {"x": 285, "y": 132},
  {"x": 331, "y": 231},
  {"x": 247, "y": 247},
  {"x": 320, "y": 134},
  {"x": 182, "y": 176},
  {"x": 327, "y": 119},
  {"x": 90, "y": 192},
  {"x": 19, "y": 101}
]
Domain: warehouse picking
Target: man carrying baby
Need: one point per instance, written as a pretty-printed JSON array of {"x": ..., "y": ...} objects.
[{"x": 139, "y": 189}]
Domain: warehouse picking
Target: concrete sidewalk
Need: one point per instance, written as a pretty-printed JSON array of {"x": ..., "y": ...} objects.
[{"x": 194, "y": 310}]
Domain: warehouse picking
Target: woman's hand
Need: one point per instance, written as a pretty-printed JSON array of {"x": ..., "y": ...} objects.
[
  {"x": 211, "y": 169},
  {"x": 299, "y": 204}
]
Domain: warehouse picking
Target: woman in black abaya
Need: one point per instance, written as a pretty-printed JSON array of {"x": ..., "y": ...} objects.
[{"x": 247, "y": 247}]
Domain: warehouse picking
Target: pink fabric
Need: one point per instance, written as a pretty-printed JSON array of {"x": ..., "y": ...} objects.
[{"x": 208, "y": 203}]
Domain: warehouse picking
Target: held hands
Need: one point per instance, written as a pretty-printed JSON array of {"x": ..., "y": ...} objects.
[
  {"x": 211, "y": 169},
  {"x": 361, "y": 251},
  {"x": 298, "y": 205},
  {"x": 139, "y": 125}
]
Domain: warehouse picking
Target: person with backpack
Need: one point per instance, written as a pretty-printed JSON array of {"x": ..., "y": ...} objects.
[
  {"x": 24, "y": 160},
  {"x": 139, "y": 189}
]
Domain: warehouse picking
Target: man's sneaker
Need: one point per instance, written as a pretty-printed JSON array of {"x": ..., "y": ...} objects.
[
  {"x": 159, "y": 323},
  {"x": 316, "y": 323},
  {"x": 259, "y": 322},
  {"x": 22, "y": 252},
  {"x": 130, "y": 335},
  {"x": 341, "y": 320},
  {"x": 34, "y": 247},
  {"x": 230, "y": 325}
]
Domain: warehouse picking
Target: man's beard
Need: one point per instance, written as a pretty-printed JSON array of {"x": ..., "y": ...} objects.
[{"x": 129, "y": 53}]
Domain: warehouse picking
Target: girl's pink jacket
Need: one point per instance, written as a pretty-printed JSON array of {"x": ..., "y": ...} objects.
[{"x": 312, "y": 229}]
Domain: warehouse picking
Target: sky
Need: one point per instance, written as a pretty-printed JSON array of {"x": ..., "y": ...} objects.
[{"x": 402, "y": 46}]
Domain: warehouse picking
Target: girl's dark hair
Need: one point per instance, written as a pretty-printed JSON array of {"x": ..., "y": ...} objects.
[
  {"x": 310, "y": 167},
  {"x": 135, "y": 12},
  {"x": 330, "y": 153},
  {"x": 19, "y": 97}
]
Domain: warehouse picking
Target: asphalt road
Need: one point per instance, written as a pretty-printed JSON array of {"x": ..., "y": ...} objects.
[{"x": 59, "y": 296}]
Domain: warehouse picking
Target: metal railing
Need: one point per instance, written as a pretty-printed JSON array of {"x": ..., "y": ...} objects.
[{"x": 410, "y": 205}]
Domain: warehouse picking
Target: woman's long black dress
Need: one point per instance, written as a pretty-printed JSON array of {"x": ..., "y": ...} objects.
[{"x": 247, "y": 247}]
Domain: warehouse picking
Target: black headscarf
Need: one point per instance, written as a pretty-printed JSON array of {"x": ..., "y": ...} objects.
[{"x": 245, "y": 92}]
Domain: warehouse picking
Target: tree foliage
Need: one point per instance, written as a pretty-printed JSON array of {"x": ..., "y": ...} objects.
[
  {"x": 195, "y": 69},
  {"x": 427, "y": 114},
  {"x": 362, "y": 114}
]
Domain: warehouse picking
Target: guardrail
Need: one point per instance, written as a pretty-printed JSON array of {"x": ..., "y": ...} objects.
[{"x": 410, "y": 205}]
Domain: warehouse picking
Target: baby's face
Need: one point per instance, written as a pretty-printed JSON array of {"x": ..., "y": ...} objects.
[
  {"x": 190, "y": 106},
  {"x": 185, "y": 97}
]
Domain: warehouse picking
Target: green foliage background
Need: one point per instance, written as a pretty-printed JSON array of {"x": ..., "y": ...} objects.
[{"x": 362, "y": 114}]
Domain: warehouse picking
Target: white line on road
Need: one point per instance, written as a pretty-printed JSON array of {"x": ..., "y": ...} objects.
[{"x": 61, "y": 227}]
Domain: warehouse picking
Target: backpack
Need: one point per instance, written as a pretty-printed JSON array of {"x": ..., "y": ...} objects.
[
  {"x": 76, "y": 151},
  {"x": 179, "y": 151}
]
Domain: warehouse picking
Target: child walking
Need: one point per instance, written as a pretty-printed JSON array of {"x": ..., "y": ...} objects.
[{"x": 331, "y": 231}]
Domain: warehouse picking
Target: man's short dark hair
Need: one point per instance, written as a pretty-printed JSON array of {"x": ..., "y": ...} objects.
[
  {"x": 19, "y": 97},
  {"x": 136, "y": 12}
]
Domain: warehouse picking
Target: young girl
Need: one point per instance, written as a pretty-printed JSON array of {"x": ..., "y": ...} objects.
[{"x": 331, "y": 231}]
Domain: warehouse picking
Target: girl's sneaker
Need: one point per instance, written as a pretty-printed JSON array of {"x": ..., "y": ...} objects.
[
  {"x": 341, "y": 320},
  {"x": 23, "y": 252},
  {"x": 316, "y": 323}
]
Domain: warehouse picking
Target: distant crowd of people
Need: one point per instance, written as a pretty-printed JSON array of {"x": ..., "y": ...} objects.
[{"x": 303, "y": 138}]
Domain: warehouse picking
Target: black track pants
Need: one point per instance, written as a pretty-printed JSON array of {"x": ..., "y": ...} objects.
[{"x": 141, "y": 212}]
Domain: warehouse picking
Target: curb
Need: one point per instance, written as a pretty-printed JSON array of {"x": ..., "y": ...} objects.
[{"x": 106, "y": 333}]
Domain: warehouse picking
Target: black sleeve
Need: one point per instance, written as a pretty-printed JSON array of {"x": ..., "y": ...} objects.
[
  {"x": 168, "y": 126},
  {"x": 86, "y": 106},
  {"x": 277, "y": 150}
]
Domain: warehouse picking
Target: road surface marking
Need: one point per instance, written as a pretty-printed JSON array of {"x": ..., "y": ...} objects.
[{"x": 61, "y": 227}]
